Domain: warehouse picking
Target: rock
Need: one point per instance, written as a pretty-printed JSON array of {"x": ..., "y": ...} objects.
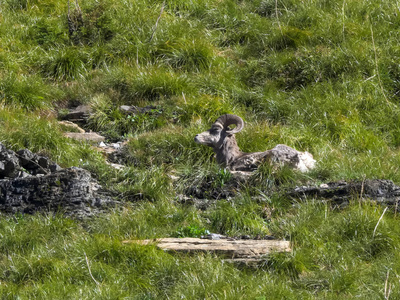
[
  {"x": 341, "y": 192},
  {"x": 70, "y": 190},
  {"x": 285, "y": 155},
  {"x": 92, "y": 137},
  {"x": 268, "y": 237},
  {"x": 281, "y": 155},
  {"x": 119, "y": 154},
  {"x": 22, "y": 174},
  {"x": 241, "y": 175},
  {"x": 33, "y": 183},
  {"x": 134, "y": 110},
  {"x": 204, "y": 194},
  {"x": 116, "y": 166},
  {"x": 116, "y": 145},
  {"x": 8, "y": 169},
  {"x": 201, "y": 204},
  {"x": 36, "y": 164},
  {"x": 116, "y": 154},
  {"x": 43, "y": 162},
  {"x": 78, "y": 114},
  {"x": 25, "y": 157},
  {"x": 110, "y": 148},
  {"x": 9, "y": 166},
  {"x": 54, "y": 168},
  {"x": 213, "y": 236}
]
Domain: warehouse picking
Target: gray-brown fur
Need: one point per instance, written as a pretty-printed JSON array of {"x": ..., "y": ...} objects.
[{"x": 222, "y": 139}]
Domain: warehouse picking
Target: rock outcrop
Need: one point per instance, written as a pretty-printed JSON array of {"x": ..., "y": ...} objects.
[
  {"x": 24, "y": 163},
  {"x": 30, "y": 183},
  {"x": 205, "y": 192},
  {"x": 341, "y": 192},
  {"x": 79, "y": 114}
]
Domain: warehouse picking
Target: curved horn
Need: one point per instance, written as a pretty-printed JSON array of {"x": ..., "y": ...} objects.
[{"x": 227, "y": 120}]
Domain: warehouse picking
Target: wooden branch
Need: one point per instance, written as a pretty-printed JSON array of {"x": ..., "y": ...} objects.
[{"x": 233, "y": 249}]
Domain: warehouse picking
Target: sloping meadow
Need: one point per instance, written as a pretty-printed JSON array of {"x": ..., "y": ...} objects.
[{"x": 320, "y": 76}]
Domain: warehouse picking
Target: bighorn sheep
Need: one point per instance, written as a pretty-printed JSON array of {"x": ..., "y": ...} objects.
[{"x": 222, "y": 139}]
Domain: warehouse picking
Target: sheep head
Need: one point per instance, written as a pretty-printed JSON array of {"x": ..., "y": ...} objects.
[{"x": 219, "y": 131}]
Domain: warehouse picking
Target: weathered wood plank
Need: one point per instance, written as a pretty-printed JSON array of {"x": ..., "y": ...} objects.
[{"x": 234, "y": 249}]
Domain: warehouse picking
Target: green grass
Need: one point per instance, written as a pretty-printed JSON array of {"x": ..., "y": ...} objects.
[
  {"x": 320, "y": 76},
  {"x": 336, "y": 255}
]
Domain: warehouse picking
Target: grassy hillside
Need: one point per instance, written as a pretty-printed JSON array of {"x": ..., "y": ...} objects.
[{"x": 321, "y": 76}]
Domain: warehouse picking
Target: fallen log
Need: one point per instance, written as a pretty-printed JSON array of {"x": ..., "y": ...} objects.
[{"x": 240, "y": 250}]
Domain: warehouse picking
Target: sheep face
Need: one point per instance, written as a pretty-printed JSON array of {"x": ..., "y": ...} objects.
[{"x": 211, "y": 137}]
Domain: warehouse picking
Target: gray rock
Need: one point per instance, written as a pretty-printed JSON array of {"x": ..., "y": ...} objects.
[
  {"x": 33, "y": 163},
  {"x": 120, "y": 155},
  {"x": 30, "y": 183},
  {"x": 79, "y": 114},
  {"x": 9, "y": 163},
  {"x": 43, "y": 162},
  {"x": 213, "y": 236},
  {"x": 71, "y": 190},
  {"x": 341, "y": 192},
  {"x": 116, "y": 166},
  {"x": 25, "y": 157},
  {"x": 54, "y": 168},
  {"x": 22, "y": 174},
  {"x": 92, "y": 137},
  {"x": 134, "y": 110}
]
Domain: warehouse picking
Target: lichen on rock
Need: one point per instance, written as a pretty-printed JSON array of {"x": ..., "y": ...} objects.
[{"x": 31, "y": 183}]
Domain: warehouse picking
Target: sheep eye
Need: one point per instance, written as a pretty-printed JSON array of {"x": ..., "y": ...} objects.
[{"x": 213, "y": 131}]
